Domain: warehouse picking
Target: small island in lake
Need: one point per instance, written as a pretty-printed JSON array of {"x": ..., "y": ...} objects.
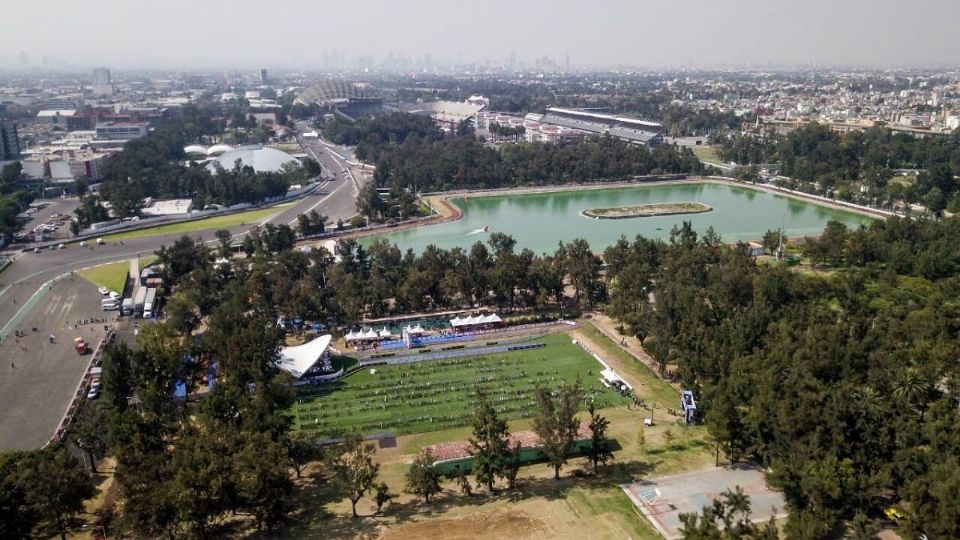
[{"x": 647, "y": 210}]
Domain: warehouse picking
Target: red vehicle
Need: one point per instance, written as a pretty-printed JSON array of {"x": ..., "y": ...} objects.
[{"x": 81, "y": 346}]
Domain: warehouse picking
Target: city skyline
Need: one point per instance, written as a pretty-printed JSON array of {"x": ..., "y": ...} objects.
[{"x": 643, "y": 34}]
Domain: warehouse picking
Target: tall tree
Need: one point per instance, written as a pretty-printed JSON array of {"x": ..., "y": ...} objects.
[
  {"x": 488, "y": 445},
  {"x": 600, "y": 451},
  {"x": 423, "y": 477},
  {"x": 354, "y": 471},
  {"x": 55, "y": 484},
  {"x": 556, "y": 424}
]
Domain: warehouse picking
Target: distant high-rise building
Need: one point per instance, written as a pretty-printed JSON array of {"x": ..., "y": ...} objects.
[
  {"x": 263, "y": 76},
  {"x": 9, "y": 144},
  {"x": 102, "y": 83}
]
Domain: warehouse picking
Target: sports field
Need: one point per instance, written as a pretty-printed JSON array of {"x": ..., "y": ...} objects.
[{"x": 439, "y": 394}]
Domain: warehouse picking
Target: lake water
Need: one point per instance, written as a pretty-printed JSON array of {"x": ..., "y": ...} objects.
[{"x": 540, "y": 220}]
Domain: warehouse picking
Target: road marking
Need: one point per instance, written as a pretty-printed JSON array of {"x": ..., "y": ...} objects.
[{"x": 321, "y": 201}]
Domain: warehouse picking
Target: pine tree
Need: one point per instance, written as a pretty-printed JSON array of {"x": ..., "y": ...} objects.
[
  {"x": 556, "y": 424},
  {"x": 423, "y": 477},
  {"x": 600, "y": 451},
  {"x": 488, "y": 445}
]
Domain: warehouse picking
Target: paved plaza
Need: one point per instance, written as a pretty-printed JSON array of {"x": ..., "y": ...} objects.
[
  {"x": 39, "y": 378},
  {"x": 662, "y": 500}
]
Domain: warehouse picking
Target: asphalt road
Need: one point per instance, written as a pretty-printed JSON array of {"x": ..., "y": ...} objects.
[
  {"x": 30, "y": 271},
  {"x": 39, "y": 378},
  {"x": 39, "y": 290}
]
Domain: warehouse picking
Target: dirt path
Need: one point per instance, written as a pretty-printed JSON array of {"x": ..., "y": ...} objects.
[{"x": 630, "y": 344}]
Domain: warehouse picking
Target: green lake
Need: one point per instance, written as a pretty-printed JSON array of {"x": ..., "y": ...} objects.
[{"x": 540, "y": 220}]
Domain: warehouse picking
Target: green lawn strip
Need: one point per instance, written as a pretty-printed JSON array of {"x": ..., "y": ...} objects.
[
  {"x": 113, "y": 276},
  {"x": 653, "y": 386},
  {"x": 436, "y": 394},
  {"x": 707, "y": 153},
  {"x": 147, "y": 261},
  {"x": 216, "y": 222}
]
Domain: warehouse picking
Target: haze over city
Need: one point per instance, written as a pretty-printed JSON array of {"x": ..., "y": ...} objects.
[
  {"x": 408, "y": 269},
  {"x": 304, "y": 34}
]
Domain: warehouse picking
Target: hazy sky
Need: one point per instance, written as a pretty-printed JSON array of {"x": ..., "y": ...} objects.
[{"x": 294, "y": 33}]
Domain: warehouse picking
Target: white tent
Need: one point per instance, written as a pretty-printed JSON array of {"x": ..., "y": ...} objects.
[
  {"x": 385, "y": 333},
  {"x": 370, "y": 334},
  {"x": 353, "y": 336},
  {"x": 471, "y": 320},
  {"x": 301, "y": 358},
  {"x": 413, "y": 330}
]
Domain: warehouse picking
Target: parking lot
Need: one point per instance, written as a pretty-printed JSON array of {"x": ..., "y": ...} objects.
[
  {"x": 43, "y": 216},
  {"x": 40, "y": 378}
]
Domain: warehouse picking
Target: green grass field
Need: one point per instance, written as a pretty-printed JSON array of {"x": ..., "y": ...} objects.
[
  {"x": 707, "y": 153},
  {"x": 217, "y": 222},
  {"x": 439, "y": 394},
  {"x": 113, "y": 275}
]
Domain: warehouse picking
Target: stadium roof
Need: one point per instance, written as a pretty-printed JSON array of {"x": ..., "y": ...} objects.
[
  {"x": 298, "y": 360},
  {"x": 605, "y": 117},
  {"x": 260, "y": 158},
  {"x": 333, "y": 91}
]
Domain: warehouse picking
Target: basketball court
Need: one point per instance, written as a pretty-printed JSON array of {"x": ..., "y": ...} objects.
[{"x": 662, "y": 500}]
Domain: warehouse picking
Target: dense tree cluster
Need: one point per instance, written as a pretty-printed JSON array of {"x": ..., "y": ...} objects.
[
  {"x": 425, "y": 164},
  {"x": 41, "y": 492},
  {"x": 845, "y": 386},
  {"x": 464, "y": 163},
  {"x": 151, "y": 166},
  {"x": 181, "y": 468},
  {"x": 391, "y": 128},
  {"x": 12, "y": 200},
  {"x": 860, "y": 165}
]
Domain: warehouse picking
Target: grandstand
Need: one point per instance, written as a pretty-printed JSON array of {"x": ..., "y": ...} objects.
[
  {"x": 445, "y": 113},
  {"x": 628, "y": 129},
  {"x": 349, "y": 99}
]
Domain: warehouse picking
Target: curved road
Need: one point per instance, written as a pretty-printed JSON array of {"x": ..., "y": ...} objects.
[{"x": 24, "y": 279}]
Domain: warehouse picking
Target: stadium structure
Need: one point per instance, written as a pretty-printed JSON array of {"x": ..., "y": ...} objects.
[
  {"x": 348, "y": 99},
  {"x": 447, "y": 114},
  {"x": 628, "y": 129}
]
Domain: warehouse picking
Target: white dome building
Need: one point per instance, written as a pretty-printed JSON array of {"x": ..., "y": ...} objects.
[
  {"x": 195, "y": 149},
  {"x": 260, "y": 158},
  {"x": 218, "y": 149}
]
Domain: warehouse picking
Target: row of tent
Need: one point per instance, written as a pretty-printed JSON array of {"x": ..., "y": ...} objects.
[
  {"x": 370, "y": 333},
  {"x": 409, "y": 330},
  {"x": 458, "y": 322}
]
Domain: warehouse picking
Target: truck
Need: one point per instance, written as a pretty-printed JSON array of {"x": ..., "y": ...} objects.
[
  {"x": 81, "y": 346},
  {"x": 126, "y": 308},
  {"x": 138, "y": 299},
  {"x": 149, "y": 304}
]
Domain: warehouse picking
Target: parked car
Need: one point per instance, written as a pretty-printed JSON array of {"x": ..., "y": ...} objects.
[
  {"x": 61, "y": 246},
  {"x": 93, "y": 393}
]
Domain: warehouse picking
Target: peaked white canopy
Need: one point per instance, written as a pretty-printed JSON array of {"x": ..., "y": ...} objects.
[
  {"x": 471, "y": 320},
  {"x": 299, "y": 359},
  {"x": 418, "y": 329}
]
